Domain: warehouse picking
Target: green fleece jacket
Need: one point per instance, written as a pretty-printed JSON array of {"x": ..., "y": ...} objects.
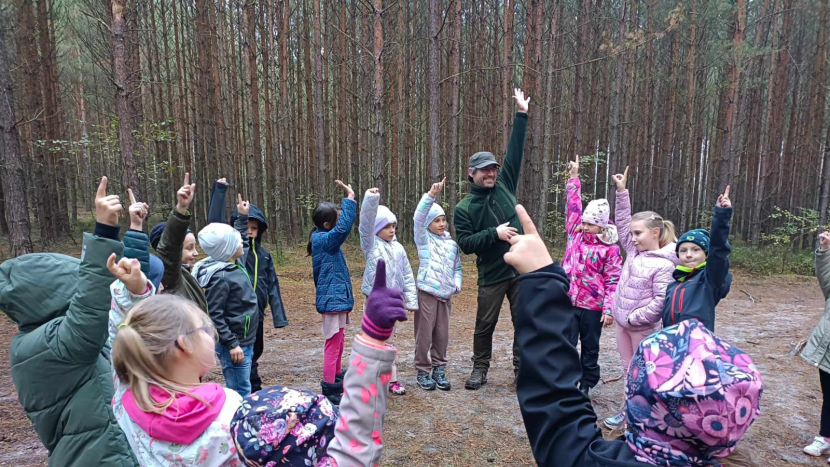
[
  {"x": 177, "y": 279},
  {"x": 483, "y": 209}
]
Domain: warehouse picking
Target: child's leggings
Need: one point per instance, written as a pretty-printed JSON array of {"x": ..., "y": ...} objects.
[
  {"x": 627, "y": 343},
  {"x": 333, "y": 356}
]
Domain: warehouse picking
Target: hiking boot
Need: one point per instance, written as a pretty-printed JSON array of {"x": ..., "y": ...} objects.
[
  {"x": 425, "y": 382},
  {"x": 818, "y": 448},
  {"x": 332, "y": 391},
  {"x": 585, "y": 390},
  {"x": 440, "y": 377},
  {"x": 477, "y": 379},
  {"x": 616, "y": 422},
  {"x": 397, "y": 388}
]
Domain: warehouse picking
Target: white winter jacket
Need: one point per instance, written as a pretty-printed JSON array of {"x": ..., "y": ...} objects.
[
  {"x": 439, "y": 259},
  {"x": 398, "y": 271}
]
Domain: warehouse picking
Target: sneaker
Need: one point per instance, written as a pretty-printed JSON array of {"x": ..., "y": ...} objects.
[
  {"x": 477, "y": 379},
  {"x": 440, "y": 378},
  {"x": 818, "y": 448},
  {"x": 616, "y": 422},
  {"x": 425, "y": 381},
  {"x": 397, "y": 388}
]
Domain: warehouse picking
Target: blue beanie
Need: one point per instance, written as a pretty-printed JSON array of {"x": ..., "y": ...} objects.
[
  {"x": 699, "y": 237},
  {"x": 156, "y": 270},
  {"x": 155, "y": 234}
]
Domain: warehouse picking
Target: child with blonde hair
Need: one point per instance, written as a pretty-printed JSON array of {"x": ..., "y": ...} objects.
[{"x": 648, "y": 241}]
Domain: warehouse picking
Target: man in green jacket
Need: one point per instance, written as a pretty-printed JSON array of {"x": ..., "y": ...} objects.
[
  {"x": 485, "y": 220},
  {"x": 63, "y": 380}
]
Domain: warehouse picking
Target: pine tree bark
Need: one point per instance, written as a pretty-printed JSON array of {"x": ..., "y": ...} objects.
[
  {"x": 455, "y": 109},
  {"x": 378, "y": 161},
  {"x": 738, "y": 25},
  {"x": 692, "y": 151},
  {"x": 319, "y": 109},
  {"x": 12, "y": 176},
  {"x": 507, "y": 74},
  {"x": 817, "y": 96},
  {"x": 434, "y": 91},
  {"x": 123, "y": 96},
  {"x": 255, "y": 130}
]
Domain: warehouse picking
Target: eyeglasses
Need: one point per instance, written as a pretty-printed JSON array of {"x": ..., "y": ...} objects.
[
  {"x": 207, "y": 328},
  {"x": 490, "y": 169}
]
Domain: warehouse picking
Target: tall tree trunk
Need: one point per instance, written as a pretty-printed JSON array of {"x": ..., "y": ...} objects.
[
  {"x": 507, "y": 74},
  {"x": 12, "y": 176},
  {"x": 614, "y": 157},
  {"x": 121, "y": 78},
  {"x": 378, "y": 161},
  {"x": 545, "y": 147},
  {"x": 319, "y": 109},
  {"x": 734, "y": 79},
  {"x": 455, "y": 109},
  {"x": 255, "y": 156},
  {"x": 692, "y": 147},
  {"x": 817, "y": 96},
  {"x": 434, "y": 91}
]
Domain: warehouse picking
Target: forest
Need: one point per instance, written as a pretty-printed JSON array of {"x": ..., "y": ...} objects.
[{"x": 281, "y": 97}]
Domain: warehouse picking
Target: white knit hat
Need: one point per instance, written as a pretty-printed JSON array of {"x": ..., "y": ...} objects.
[
  {"x": 435, "y": 211},
  {"x": 384, "y": 217},
  {"x": 597, "y": 213},
  {"x": 220, "y": 241}
]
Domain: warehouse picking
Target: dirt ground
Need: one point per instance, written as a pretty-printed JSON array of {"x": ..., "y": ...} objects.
[{"x": 765, "y": 316}]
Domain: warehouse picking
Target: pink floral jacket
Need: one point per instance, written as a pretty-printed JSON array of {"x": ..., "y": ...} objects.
[{"x": 592, "y": 266}]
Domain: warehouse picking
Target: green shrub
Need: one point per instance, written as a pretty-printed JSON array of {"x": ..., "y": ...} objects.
[{"x": 771, "y": 260}]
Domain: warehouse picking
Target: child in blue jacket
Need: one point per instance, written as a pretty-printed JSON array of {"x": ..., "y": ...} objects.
[
  {"x": 702, "y": 279},
  {"x": 334, "y": 299}
]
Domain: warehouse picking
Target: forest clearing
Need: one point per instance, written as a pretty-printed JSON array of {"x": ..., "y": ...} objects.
[{"x": 765, "y": 316}]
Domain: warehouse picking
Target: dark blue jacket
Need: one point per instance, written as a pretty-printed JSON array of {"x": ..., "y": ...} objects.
[
  {"x": 699, "y": 293},
  {"x": 256, "y": 258},
  {"x": 331, "y": 275},
  {"x": 561, "y": 423}
]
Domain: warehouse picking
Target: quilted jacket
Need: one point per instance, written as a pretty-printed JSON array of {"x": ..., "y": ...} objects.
[
  {"x": 815, "y": 351},
  {"x": 398, "y": 271},
  {"x": 331, "y": 275},
  {"x": 439, "y": 259},
  {"x": 638, "y": 303},
  {"x": 592, "y": 266}
]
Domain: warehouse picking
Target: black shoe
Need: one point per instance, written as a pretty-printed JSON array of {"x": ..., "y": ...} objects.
[
  {"x": 339, "y": 377},
  {"x": 425, "y": 381},
  {"x": 332, "y": 391},
  {"x": 477, "y": 379},
  {"x": 440, "y": 377},
  {"x": 585, "y": 389}
]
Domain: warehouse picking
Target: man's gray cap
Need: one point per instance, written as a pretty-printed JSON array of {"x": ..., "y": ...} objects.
[{"x": 482, "y": 159}]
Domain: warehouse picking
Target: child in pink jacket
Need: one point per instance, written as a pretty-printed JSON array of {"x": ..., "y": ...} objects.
[
  {"x": 592, "y": 262},
  {"x": 649, "y": 243}
]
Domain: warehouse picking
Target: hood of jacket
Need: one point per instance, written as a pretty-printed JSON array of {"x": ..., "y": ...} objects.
[
  {"x": 204, "y": 270},
  {"x": 37, "y": 288},
  {"x": 253, "y": 213},
  {"x": 184, "y": 420}
]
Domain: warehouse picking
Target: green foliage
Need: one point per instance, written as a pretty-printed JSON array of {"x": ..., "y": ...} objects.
[
  {"x": 791, "y": 228},
  {"x": 767, "y": 260}
]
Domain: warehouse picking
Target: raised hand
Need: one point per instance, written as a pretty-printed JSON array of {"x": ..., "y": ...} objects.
[
  {"x": 129, "y": 272},
  {"x": 107, "y": 207},
  {"x": 506, "y": 232},
  {"x": 522, "y": 103},
  {"x": 384, "y": 306},
  {"x": 373, "y": 191},
  {"x": 723, "y": 199},
  {"x": 621, "y": 180},
  {"x": 242, "y": 206},
  {"x": 528, "y": 252},
  {"x": 185, "y": 195},
  {"x": 223, "y": 181},
  {"x": 573, "y": 167},
  {"x": 347, "y": 189},
  {"x": 437, "y": 187},
  {"x": 824, "y": 240},
  {"x": 138, "y": 212}
]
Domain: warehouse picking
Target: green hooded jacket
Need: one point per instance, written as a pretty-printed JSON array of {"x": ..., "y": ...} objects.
[
  {"x": 64, "y": 383},
  {"x": 483, "y": 209}
]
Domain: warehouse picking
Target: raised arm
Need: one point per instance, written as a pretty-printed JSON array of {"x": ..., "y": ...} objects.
[
  {"x": 573, "y": 195},
  {"x": 172, "y": 239},
  {"x": 136, "y": 242},
  {"x": 622, "y": 216},
  {"x": 130, "y": 287},
  {"x": 558, "y": 417},
  {"x": 335, "y": 237},
  {"x": 717, "y": 261},
  {"x": 515, "y": 146},
  {"x": 240, "y": 223},
  {"x": 823, "y": 264},
  {"x": 420, "y": 226},
  {"x": 368, "y": 213},
  {"x": 82, "y": 334},
  {"x": 216, "y": 210}
]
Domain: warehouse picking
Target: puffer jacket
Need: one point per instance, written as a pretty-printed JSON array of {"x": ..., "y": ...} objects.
[
  {"x": 63, "y": 380},
  {"x": 232, "y": 304},
  {"x": 137, "y": 245},
  {"x": 816, "y": 350},
  {"x": 592, "y": 266},
  {"x": 398, "y": 270},
  {"x": 439, "y": 259},
  {"x": 331, "y": 275},
  {"x": 646, "y": 274}
]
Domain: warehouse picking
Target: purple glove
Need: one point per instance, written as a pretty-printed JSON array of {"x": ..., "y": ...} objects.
[{"x": 384, "y": 306}]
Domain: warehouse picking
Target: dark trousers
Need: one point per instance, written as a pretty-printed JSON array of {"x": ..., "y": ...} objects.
[
  {"x": 259, "y": 346},
  {"x": 824, "y": 377},
  {"x": 490, "y": 298},
  {"x": 587, "y": 327}
]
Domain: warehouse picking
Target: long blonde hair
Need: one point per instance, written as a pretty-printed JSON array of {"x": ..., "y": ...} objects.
[
  {"x": 144, "y": 341},
  {"x": 652, "y": 220}
]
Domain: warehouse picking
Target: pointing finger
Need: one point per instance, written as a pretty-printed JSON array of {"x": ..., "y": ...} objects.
[
  {"x": 102, "y": 188},
  {"x": 239, "y": 195},
  {"x": 111, "y": 263},
  {"x": 527, "y": 223},
  {"x": 187, "y": 178},
  {"x": 380, "y": 274},
  {"x": 625, "y": 174},
  {"x": 726, "y": 192},
  {"x": 132, "y": 196}
]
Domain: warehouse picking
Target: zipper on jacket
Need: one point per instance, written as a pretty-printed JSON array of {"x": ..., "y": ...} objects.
[
  {"x": 673, "y": 296},
  {"x": 256, "y": 262}
]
